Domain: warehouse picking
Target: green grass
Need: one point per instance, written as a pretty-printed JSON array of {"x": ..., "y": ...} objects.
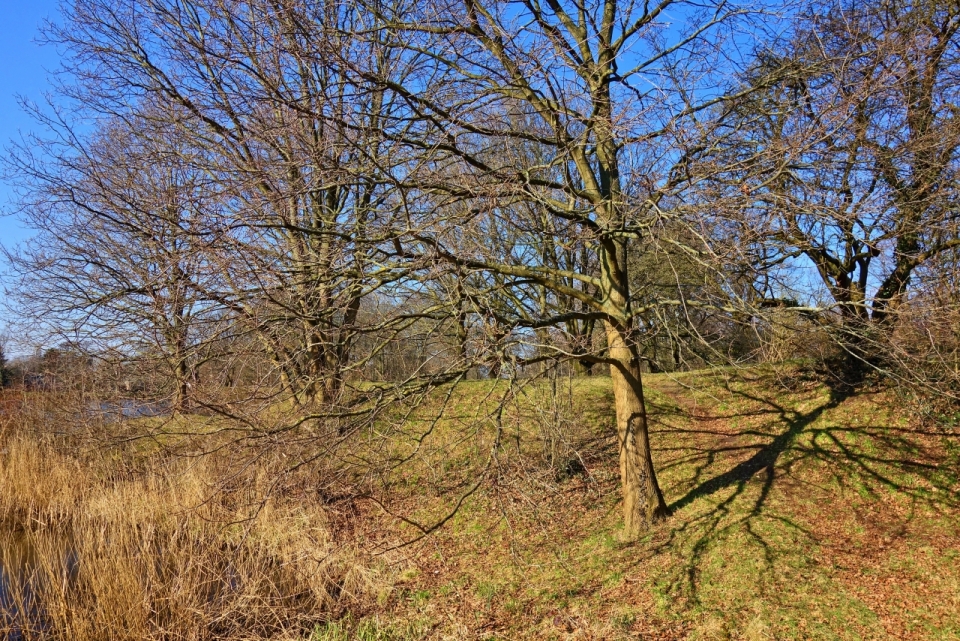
[{"x": 796, "y": 515}]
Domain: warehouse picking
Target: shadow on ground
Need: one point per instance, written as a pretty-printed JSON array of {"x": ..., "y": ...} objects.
[{"x": 790, "y": 506}]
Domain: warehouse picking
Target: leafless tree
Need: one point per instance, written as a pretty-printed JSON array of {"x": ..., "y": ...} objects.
[
  {"x": 294, "y": 141},
  {"x": 571, "y": 125},
  {"x": 115, "y": 263},
  {"x": 849, "y": 163},
  {"x": 475, "y": 178}
]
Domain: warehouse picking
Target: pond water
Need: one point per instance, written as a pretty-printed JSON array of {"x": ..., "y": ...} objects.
[
  {"x": 21, "y": 560},
  {"x": 25, "y": 554},
  {"x": 130, "y": 408}
]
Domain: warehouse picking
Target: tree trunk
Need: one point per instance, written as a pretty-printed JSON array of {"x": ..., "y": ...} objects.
[
  {"x": 856, "y": 340},
  {"x": 181, "y": 398},
  {"x": 643, "y": 502}
]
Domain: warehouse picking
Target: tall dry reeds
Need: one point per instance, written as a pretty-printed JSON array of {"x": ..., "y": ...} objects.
[{"x": 153, "y": 546}]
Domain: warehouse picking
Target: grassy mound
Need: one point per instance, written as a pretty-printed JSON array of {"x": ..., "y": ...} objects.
[{"x": 797, "y": 514}]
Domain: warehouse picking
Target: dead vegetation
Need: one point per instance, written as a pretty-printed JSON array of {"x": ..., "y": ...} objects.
[
  {"x": 796, "y": 514},
  {"x": 134, "y": 543}
]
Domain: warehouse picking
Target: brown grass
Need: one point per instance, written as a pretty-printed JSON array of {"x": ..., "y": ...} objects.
[{"x": 148, "y": 546}]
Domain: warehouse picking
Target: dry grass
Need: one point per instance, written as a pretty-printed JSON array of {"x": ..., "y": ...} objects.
[{"x": 158, "y": 547}]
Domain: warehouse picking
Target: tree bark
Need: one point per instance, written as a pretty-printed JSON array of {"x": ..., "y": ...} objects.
[
  {"x": 181, "y": 399},
  {"x": 643, "y": 502}
]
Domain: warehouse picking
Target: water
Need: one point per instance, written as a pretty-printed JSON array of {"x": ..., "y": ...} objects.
[
  {"x": 18, "y": 561},
  {"x": 21, "y": 564},
  {"x": 114, "y": 411}
]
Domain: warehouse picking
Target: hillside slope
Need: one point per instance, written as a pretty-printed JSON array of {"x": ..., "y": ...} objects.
[{"x": 797, "y": 514}]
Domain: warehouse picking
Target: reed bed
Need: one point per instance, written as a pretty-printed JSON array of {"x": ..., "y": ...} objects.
[{"x": 157, "y": 546}]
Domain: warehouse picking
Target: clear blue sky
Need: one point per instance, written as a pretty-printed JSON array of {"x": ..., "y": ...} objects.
[{"x": 24, "y": 71}]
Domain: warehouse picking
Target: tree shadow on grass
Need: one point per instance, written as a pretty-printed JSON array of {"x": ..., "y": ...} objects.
[
  {"x": 766, "y": 456},
  {"x": 726, "y": 519}
]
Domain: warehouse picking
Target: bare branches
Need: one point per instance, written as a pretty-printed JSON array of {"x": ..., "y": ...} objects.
[{"x": 319, "y": 214}]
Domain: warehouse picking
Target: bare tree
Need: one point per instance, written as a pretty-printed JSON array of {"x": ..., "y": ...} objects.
[
  {"x": 474, "y": 178},
  {"x": 293, "y": 140},
  {"x": 849, "y": 164},
  {"x": 570, "y": 124},
  {"x": 116, "y": 261}
]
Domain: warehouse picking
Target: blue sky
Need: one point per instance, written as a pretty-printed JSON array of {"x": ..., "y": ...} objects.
[{"x": 24, "y": 71}]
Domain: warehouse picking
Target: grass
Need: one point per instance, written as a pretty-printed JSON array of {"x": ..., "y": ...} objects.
[
  {"x": 132, "y": 545},
  {"x": 797, "y": 514}
]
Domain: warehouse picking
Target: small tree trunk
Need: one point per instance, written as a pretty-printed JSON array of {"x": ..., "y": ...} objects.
[
  {"x": 643, "y": 502},
  {"x": 181, "y": 399},
  {"x": 858, "y": 341}
]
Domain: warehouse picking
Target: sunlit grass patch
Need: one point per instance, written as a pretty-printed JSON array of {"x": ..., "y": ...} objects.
[{"x": 782, "y": 493}]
